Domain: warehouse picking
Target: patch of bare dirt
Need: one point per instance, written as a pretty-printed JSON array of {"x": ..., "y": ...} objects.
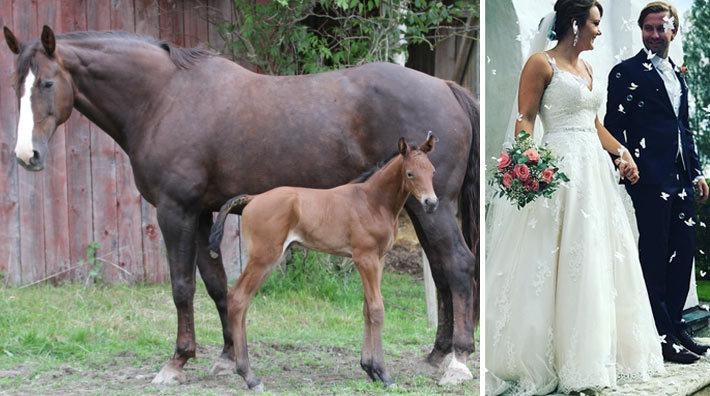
[{"x": 406, "y": 254}]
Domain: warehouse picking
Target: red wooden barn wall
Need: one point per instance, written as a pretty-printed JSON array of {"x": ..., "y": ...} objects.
[{"x": 86, "y": 193}]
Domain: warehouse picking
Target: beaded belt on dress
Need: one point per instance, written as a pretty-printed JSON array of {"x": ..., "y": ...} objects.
[{"x": 568, "y": 129}]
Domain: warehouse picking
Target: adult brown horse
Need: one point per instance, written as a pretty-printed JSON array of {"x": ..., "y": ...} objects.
[
  {"x": 357, "y": 220},
  {"x": 199, "y": 129}
]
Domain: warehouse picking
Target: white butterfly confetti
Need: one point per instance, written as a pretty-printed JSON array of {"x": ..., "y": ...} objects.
[
  {"x": 665, "y": 196},
  {"x": 672, "y": 257},
  {"x": 621, "y": 108},
  {"x": 662, "y": 339},
  {"x": 647, "y": 65},
  {"x": 703, "y": 273},
  {"x": 703, "y": 253},
  {"x": 668, "y": 23},
  {"x": 677, "y": 348},
  {"x": 637, "y": 153},
  {"x": 547, "y": 106},
  {"x": 642, "y": 143},
  {"x": 488, "y": 59},
  {"x": 520, "y": 117},
  {"x": 702, "y": 224},
  {"x": 633, "y": 86},
  {"x": 690, "y": 222},
  {"x": 649, "y": 54},
  {"x": 683, "y": 194},
  {"x": 493, "y": 71}
]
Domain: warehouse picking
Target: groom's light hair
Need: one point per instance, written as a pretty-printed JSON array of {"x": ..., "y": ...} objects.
[{"x": 660, "y": 6}]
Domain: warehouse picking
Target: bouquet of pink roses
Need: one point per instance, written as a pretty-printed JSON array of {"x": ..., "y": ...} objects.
[{"x": 525, "y": 172}]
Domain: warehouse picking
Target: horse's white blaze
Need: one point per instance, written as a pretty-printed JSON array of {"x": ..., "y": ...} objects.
[{"x": 24, "y": 149}]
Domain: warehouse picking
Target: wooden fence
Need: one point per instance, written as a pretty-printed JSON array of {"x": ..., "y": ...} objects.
[{"x": 86, "y": 197}]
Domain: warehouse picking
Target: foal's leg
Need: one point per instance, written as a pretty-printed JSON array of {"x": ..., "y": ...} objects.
[
  {"x": 258, "y": 267},
  {"x": 452, "y": 264},
  {"x": 179, "y": 229},
  {"x": 372, "y": 359},
  {"x": 215, "y": 278}
]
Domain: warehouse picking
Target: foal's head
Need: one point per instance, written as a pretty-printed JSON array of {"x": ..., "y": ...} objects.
[
  {"x": 418, "y": 172},
  {"x": 45, "y": 95}
]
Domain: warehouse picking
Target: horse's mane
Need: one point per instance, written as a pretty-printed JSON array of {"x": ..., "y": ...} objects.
[
  {"x": 184, "y": 58},
  {"x": 368, "y": 173}
]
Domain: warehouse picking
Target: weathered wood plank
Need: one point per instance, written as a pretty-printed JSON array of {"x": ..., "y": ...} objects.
[
  {"x": 219, "y": 11},
  {"x": 172, "y": 27},
  {"x": 9, "y": 189},
  {"x": 155, "y": 267},
  {"x": 56, "y": 215},
  {"x": 78, "y": 143},
  {"x": 31, "y": 184}
]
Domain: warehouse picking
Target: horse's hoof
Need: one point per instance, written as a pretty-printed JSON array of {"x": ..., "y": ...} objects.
[
  {"x": 169, "y": 375},
  {"x": 436, "y": 358},
  {"x": 257, "y": 388},
  {"x": 455, "y": 373},
  {"x": 222, "y": 366},
  {"x": 391, "y": 386}
]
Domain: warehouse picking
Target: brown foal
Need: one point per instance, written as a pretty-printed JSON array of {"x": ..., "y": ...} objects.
[{"x": 357, "y": 220}]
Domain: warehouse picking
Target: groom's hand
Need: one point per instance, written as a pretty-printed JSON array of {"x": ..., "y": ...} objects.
[{"x": 703, "y": 190}]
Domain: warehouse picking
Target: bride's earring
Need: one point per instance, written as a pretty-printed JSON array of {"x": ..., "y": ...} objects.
[{"x": 575, "y": 30}]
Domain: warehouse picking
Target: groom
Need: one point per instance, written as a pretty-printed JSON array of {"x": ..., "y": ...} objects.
[{"x": 647, "y": 110}]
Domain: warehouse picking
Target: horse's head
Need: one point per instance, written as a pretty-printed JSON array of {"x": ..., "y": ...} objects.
[
  {"x": 45, "y": 95},
  {"x": 419, "y": 172}
]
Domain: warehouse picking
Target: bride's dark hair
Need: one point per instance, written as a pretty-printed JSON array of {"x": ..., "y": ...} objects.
[{"x": 572, "y": 10}]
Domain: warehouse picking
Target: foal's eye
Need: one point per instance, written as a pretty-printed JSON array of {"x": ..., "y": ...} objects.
[
  {"x": 47, "y": 84},
  {"x": 410, "y": 175}
]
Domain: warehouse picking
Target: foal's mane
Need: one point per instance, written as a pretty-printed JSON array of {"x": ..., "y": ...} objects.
[
  {"x": 368, "y": 173},
  {"x": 183, "y": 58}
]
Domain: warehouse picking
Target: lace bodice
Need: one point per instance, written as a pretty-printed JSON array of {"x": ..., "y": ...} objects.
[{"x": 567, "y": 102}]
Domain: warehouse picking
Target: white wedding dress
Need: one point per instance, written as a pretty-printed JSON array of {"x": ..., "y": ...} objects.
[{"x": 566, "y": 303}]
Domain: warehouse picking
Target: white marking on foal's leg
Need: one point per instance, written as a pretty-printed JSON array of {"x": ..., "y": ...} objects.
[
  {"x": 24, "y": 149},
  {"x": 456, "y": 373},
  {"x": 291, "y": 237}
]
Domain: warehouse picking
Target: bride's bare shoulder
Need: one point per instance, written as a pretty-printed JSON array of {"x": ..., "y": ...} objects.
[{"x": 538, "y": 66}]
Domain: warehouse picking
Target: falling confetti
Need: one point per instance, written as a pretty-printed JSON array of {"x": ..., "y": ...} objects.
[
  {"x": 637, "y": 153},
  {"x": 625, "y": 139},
  {"x": 668, "y": 23},
  {"x": 493, "y": 71},
  {"x": 520, "y": 117},
  {"x": 683, "y": 194},
  {"x": 677, "y": 348},
  {"x": 702, "y": 224},
  {"x": 662, "y": 339},
  {"x": 649, "y": 54},
  {"x": 703, "y": 253},
  {"x": 488, "y": 59},
  {"x": 633, "y": 86},
  {"x": 672, "y": 257},
  {"x": 621, "y": 108},
  {"x": 689, "y": 222},
  {"x": 703, "y": 273},
  {"x": 647, "y": 65},
  {"x": 642, "y": 143},
  {"x": 547, "y": 106},
  {"x": 665, "y": 196}
]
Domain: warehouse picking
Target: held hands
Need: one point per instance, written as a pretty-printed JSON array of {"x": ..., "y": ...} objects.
[
  {"x": 627, "y": 166},
  {"x": 702, "y": 189}
]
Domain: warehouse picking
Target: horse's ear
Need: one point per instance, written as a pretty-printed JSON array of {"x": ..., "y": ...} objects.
[
  {"x": 428, "y": 145},
  {"x": 403, "y": 147},
  {"x": 48, "y": 41},
  {"x": 12, "y": 42}
]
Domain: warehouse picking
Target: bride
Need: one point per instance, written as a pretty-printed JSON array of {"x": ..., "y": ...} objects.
[{"x": 566, "y": 303}]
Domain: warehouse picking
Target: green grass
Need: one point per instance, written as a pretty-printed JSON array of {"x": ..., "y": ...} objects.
[
  {"x": 303, "y": 325},
  {"x": 703, "y": 290}
]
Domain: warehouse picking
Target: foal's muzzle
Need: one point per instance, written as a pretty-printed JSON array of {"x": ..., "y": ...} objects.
[{"x": 430, "y": 204}]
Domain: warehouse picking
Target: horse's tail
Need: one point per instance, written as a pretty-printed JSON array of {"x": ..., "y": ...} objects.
[
  {"x": 468, "y": 201},
  {"x": 234, "y": 205}
]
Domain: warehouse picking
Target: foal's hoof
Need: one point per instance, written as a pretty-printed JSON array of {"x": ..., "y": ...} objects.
[
  {"x": 169, "y": 375},
  {"x": 455, "y": 373},
  {"x": 222, "y": 366},
  {"x": 258, "y": 387}
]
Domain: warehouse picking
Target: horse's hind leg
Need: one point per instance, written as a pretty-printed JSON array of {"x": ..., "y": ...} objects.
[
  {"x": 212, "y": 272},
  {"x": 372, "y": 358},
  {"x": 179, "y": 229},
  {"x": 257, "y": 269},
  {"x": 452, "y": 264}
]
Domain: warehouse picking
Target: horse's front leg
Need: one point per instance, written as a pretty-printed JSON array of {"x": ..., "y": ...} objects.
[
  {"x": 372, "y": 359},
  {"x": 215, "y": 278},
  {"x": 179, "y": 229},
  {"x": 452, "y": 264}
]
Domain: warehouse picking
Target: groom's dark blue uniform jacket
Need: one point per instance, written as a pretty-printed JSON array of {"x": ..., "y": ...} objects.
[{"x": 646, "y": 118}]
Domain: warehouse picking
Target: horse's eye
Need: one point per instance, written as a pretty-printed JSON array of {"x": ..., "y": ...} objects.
[
  {"x": 47, "y": 84},
  {"x": 410, "y": 175}
]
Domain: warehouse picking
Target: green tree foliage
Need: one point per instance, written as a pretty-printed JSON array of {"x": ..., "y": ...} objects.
[
  {"x": 696, "y": 46},
  {"x": 307, "y": 36}
]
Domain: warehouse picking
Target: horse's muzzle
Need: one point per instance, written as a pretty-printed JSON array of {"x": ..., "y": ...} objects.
[
  {"x": 35, "y": 163},
  {"x": 430, "y": 204}
]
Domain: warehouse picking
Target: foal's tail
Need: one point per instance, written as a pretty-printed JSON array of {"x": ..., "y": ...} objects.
[
  {"x": 234, "y": 205},
  {"x": 468, "y": 202}
]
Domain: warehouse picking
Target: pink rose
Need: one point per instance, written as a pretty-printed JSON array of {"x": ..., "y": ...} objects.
[
  {"x": 532, "y": 155},
  {"x": 535, "y": 185},
  {"x": 503, "y": 160},
  {"x": 547, "y": 175},
  {"x": 522, "y": 172},
  {"x": 507, "y": 180}
]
